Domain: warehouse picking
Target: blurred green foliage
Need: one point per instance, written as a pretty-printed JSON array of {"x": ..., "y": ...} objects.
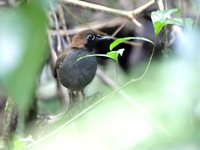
[{"x": 23, "y": 50}]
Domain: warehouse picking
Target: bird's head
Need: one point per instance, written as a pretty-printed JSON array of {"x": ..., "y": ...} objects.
[{"x": 87, "y": 39}]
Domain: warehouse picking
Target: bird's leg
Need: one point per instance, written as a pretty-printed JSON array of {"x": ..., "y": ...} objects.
[
  {"x": 77, "y": 96},
  {"x": 81, "y": 95}
]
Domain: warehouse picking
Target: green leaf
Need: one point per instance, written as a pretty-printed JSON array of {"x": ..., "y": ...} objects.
[
  {"x": 23, "y": 51},
  {"x": 167, "y": 13},
  {"x": 159, "y": 19},
  {"x": 122, "y": 40},
  {"x": 162, "y": 18},
  {"x": 114, "y": 54},
  {"x": 162, "y": 15},
  {"x": 188, "y": 22}
]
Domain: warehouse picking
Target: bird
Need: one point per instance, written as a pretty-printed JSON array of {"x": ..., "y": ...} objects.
[{"x": 73, "y": 73}]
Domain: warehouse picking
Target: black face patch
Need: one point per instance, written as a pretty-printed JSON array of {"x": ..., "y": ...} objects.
[{"x": 91, "y": 37}]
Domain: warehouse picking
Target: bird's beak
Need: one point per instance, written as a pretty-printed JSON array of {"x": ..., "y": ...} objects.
[{"x": 102, "y": 38}]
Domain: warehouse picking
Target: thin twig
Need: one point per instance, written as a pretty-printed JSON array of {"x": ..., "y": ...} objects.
[
  {"x": 128, "y": 14},
  {"x": 143, "y": 7},
  {"x": 59, "y": 47},
  {"x": 93, "y": 25},
  {"x": 86, "y": 25},
  {"x": 119, "y": 29},
  {"x": 52, "y": 52},
  {"x": 64, "y": 25},
  {"x": 122, "y": 13},
  {"x": 160, "y": 4}
]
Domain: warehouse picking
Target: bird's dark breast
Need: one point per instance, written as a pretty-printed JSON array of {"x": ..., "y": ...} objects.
[{"x": 76, "y": 74}]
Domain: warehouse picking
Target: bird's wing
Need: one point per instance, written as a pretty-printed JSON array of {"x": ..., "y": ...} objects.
[{"x": 59, "y": 61}]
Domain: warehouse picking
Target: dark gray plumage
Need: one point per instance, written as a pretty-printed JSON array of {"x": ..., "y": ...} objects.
[{"x": 76, "y": 74}]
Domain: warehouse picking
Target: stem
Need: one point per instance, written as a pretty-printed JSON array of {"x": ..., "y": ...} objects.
[{"x": 93, "y": 55}]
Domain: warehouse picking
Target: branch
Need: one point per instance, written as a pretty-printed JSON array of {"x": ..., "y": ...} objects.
[
  {"x": 58, "y": 36},
  {"x": 143, "y": 7},
  {"x": 93, "y": 25},
  {"x": 119, "y": 28},
  {"x": 64, "y": 25},
  {"x": 128, "y": 14}
]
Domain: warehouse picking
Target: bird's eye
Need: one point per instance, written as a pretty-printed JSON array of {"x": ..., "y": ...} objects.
[{"x": 91, "y": 37}]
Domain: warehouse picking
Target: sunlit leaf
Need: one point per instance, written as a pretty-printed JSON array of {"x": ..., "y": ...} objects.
[
  {"x": 122, "y": 40},
  {"x": 162, "y": 18},
  {"x": 188, "y": 22},
  {"x": 114, "y": 54},
  {"x": 159, "y": 19},
  {"x": 162, "y": 15}
]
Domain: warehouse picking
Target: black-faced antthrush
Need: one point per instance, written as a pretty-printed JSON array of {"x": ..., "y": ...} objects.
[{"x": 76, "y": 74}]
